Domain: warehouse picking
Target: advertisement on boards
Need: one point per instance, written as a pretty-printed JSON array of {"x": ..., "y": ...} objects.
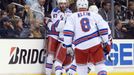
[
  {"x": 26, "y": 56},
  {"x": 22, "y": 56}
]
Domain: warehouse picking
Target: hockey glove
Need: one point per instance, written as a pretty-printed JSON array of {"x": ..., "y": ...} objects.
[
  {"x": 70, "y": 51},
  {"x": 106, "y": 48}
]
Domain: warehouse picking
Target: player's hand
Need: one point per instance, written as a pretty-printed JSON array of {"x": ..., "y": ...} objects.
[
  {"x": 106, "y": 48},
  {"x": 47, "y": 20},
  {"x": 70, "y": 51}
]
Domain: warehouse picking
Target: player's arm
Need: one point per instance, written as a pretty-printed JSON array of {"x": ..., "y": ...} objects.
[
  {"x": 104, "y": 32},
  {"x": 68, "y": 32},
  {"x": 58, "y": 20},
  {"x": 63, "y": 18},
  {"x": 55, "y": 20}
]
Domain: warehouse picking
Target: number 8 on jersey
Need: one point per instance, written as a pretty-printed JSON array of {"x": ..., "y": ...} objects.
[{"x": 85, "y": 25}]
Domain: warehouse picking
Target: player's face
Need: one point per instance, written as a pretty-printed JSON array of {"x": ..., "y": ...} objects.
[{"x": 63, "y": 6}]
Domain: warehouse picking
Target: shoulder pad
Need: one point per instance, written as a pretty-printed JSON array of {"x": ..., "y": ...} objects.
[{"x": 56, "y": 9}]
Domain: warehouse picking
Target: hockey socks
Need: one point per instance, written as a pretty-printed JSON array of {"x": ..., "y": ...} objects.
[{"x": 49, "y": 64}]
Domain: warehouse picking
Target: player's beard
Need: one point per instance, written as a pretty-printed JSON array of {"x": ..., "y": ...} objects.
[{"x": 62, "y": 8}]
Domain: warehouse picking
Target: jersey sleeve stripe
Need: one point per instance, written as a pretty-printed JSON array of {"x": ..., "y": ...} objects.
[
  {"x": 103, "y": 31},
  {"x": 68, "y": 33}
]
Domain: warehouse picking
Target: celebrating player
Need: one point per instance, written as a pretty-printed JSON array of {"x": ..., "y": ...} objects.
[
  {"x": 58, "y": 17},
  {"x": 88, "y": 34}
]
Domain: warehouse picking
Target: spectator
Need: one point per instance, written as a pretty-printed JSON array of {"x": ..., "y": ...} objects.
[
  {"x": 72, "y": 5},
  {"x": 130, "y": 29},
  {"x": 35, "y": 30},
  {"x": 105, "y": 11},
  {"x": 18, "y": 27},
  {"x": 39, "y": 6},
  {"x": 3, "y": 14},
  {"x": 11, "y": 10},
  {"x": 119, "y": 14},
  {"x": 27, "y": 16},
  {"x": 28, "y": 21},
  {"x": 119, "y": 30},
  {"x": 7, "y": 29},
  {"x": 130, "y": 11},
  {"x": 49, "y": 5}
]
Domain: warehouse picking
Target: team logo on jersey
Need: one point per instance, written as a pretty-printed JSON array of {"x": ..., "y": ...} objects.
[{"x": 26, "y": 56}]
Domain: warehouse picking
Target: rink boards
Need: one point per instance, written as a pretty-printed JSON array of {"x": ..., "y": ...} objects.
[{"x": 26, "y": 57}]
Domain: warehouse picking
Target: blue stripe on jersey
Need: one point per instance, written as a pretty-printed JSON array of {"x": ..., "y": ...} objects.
[
  {"x": 91, "y": 36},
  {"x": 68, "y": 33}
]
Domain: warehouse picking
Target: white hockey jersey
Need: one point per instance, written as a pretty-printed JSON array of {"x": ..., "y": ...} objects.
[
  {"x": 81, "y": 30},
  {"x": 58, "y": 21}
]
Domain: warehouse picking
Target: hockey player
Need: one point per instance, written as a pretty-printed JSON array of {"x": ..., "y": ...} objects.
[
  {"x": 58, "y": 17},
  {"x": 88, "y": 34}
]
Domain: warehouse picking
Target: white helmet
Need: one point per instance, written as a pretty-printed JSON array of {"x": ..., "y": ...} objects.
[
  {"x": 82, "y": 4},
  {"x": 61, "y": 1},
  {"x": 93, "y": 8}
]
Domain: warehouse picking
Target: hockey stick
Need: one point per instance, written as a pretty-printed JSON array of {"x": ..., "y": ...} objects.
[{"x": 104, "y": 45}]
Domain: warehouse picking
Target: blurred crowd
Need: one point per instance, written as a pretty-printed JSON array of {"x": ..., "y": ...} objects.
[{"x": 26, "y": 18}]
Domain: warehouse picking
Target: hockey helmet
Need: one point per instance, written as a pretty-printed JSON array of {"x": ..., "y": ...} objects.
[
  {"x": 82, "y": 4},
  {"x": 93, "y": 8},
  {"x": 61, "y": 1}
]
